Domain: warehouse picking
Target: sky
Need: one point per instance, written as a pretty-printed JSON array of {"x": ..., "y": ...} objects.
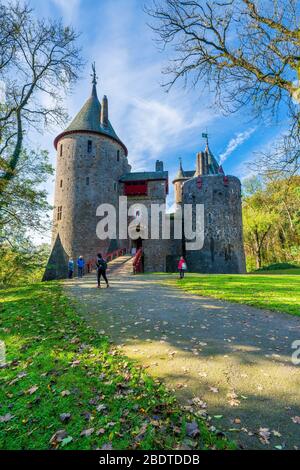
[{"x": 153, "y": 124}]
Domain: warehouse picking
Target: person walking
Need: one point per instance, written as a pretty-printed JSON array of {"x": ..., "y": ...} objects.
[
  {"x": 70, "y": 268},
  {"x": 101, "y": 266},
  {"x": 80, "y": 265},
  {"x": 182, "y": 267}
]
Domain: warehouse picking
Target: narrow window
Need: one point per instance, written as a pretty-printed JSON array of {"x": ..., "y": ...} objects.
[
  {"x": 118, "y": 155},
  {"x": 87, "y": 180},
  {"x": 115, "y": 186},
  {"x": 61, "y": 150},
  {"x": 61, "y": 183},
  {"x": 89, "y": 146},
  {"x": 59, "y": 212}
]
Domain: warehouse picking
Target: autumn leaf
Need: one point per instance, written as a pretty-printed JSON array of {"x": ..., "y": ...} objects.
[
  {"x": 87, "y": 432},
  {"x": 32, "y": 390},
  {"x": 192, "y": 429},
  {"x": 65, "y": 417},
  {"x": 264, "y": 435},
  {"x": 5, "y": 418},
  {"x": 296, "y": 419}
]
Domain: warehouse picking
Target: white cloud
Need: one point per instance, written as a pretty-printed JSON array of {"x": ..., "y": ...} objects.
[
  {"x": 69, "y": 9},
  {"x": 235, "y": 142}
]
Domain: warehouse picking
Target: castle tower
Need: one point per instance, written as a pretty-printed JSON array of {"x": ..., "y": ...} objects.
[
  {"x": 223, "y": 249},
  {"x": 90, "y": 160},
  {"x": 178, "y": 182}
]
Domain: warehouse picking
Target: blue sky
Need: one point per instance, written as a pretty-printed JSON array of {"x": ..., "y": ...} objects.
[{"x": 152, "y": 123}]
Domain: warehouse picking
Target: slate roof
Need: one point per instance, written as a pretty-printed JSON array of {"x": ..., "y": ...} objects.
[
  {"x": 144, "y": 175},
  {"x": 88, "y": 120}
]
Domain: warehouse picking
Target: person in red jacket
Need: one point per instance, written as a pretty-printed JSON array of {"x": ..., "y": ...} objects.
[{"x": 182, "y": 267}]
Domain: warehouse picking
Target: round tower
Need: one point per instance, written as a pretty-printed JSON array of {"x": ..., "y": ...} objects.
[
  {"x": 178, "y": 182},
  {"x": 223, "y": 249},
  {"x": 90, "y": 160}
]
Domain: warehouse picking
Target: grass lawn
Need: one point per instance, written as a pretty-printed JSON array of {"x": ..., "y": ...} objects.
[
  {"x": 64, "y": 386},
  {"x": 270, "y": 290}
]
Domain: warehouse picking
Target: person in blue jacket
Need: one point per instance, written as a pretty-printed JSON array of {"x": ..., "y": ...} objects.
[{"x": 80, "y": 265}]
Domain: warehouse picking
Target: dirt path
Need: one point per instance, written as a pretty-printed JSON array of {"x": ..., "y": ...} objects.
[{"x": 235, "y": 358}]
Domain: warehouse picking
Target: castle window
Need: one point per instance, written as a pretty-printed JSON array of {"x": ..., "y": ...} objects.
[
  {"x": 115, "y": 186},
  {"x": 59, "y": 212},
  {"x": 209, "y": 218},
  {"x": 87, "y": 180},
  {"x": 61, "y": 183},
  {"x": 89, "y": 146},
  {"x": 118, "y": 155},
  {"x": 61, "y": 150}
]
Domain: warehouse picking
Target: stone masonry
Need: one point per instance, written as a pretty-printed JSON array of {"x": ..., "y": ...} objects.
[{"x": 92, "y": 169}]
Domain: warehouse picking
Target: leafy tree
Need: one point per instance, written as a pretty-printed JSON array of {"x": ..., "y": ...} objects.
[
  {"x": 246, "y": 52},
  {"x": 22, "y": 264},
  {"x": 39, "y": 60},
  {"x": 271, "y": 215},
  {"x": 24, "y": 205}
]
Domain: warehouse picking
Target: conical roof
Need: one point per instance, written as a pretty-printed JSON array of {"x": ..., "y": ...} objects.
[
  {"x": 213, "y": 165},
  {"x": 87, "y": 120}
]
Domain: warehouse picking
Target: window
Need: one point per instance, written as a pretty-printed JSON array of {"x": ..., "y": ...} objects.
[
  {"x": 118, "y": 155},
  {"x": 61, "y": 183},
  {"x": 87, "y": 180},
  {"x": 89, "y": 146},
  {"x": 115, "y": 186},
  {"x": 61, "y": 150},
  {"x": 59, "y": 212}
]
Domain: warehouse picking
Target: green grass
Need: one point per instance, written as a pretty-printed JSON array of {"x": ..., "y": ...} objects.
[
  {"x": 279, "y": 292},
  {"x": 56, "y": 364}
]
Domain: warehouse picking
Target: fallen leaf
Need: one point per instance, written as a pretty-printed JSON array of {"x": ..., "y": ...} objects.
[
  {"x": 65, "y": 417},
  {"x": 58, "y": 437},
  {"x": 296, "y": 419},
  {"x": 192, "y": 429},
  {"x": 5, "y": 418},
  {"x": 87, "y": 432},
  {"x": 66, "y": 441},
  {"x": 32, "y": 389},
  {"x": 264, "y": 435}
]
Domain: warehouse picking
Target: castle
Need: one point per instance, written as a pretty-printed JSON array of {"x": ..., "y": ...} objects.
[{"x": 92, "y": 169}]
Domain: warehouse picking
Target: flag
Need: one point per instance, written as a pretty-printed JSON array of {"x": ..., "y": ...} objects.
[{"x": 205, "y": 136}]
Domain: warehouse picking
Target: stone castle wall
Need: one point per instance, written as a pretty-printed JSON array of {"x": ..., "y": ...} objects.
[
  {"x": 223, "y": 250},
  {"x": 154, "y": 250},
  {"x": 84, "y": 180}
]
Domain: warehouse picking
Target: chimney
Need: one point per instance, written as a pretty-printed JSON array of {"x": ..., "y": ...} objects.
[
  {"x": 159, "y": 165},
  {"x": 104, "y": 112},
  {"x": 201, "y": 166}
]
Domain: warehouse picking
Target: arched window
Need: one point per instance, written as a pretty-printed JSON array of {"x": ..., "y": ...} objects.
[
  {"x": 118, "y": 155},
  {"x": 61, "y": 150},
  {"x": 89, "y": 146},
  {"x": 61, "y": 183},
  {"x": 87, "y": 180}
]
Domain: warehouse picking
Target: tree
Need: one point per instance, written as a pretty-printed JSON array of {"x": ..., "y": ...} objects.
[
  {"x": 24, "y": 205},
  {"x": 271, "y": 216},
  {"x": 39, "y": 60},
  {"x": 246, "y": 52}
]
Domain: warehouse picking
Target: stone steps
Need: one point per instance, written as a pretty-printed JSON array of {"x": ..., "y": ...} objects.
[{"x": 120, "y": 266}]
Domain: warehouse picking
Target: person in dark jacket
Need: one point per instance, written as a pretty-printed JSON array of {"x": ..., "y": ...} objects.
[
  {"x": 70, "y": 268},
  {"x": 101, "y": 266},
  {"x": 80, "y": 266}
]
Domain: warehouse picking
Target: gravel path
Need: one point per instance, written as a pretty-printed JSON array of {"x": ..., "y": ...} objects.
[{"x": 235, "y": 358}]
